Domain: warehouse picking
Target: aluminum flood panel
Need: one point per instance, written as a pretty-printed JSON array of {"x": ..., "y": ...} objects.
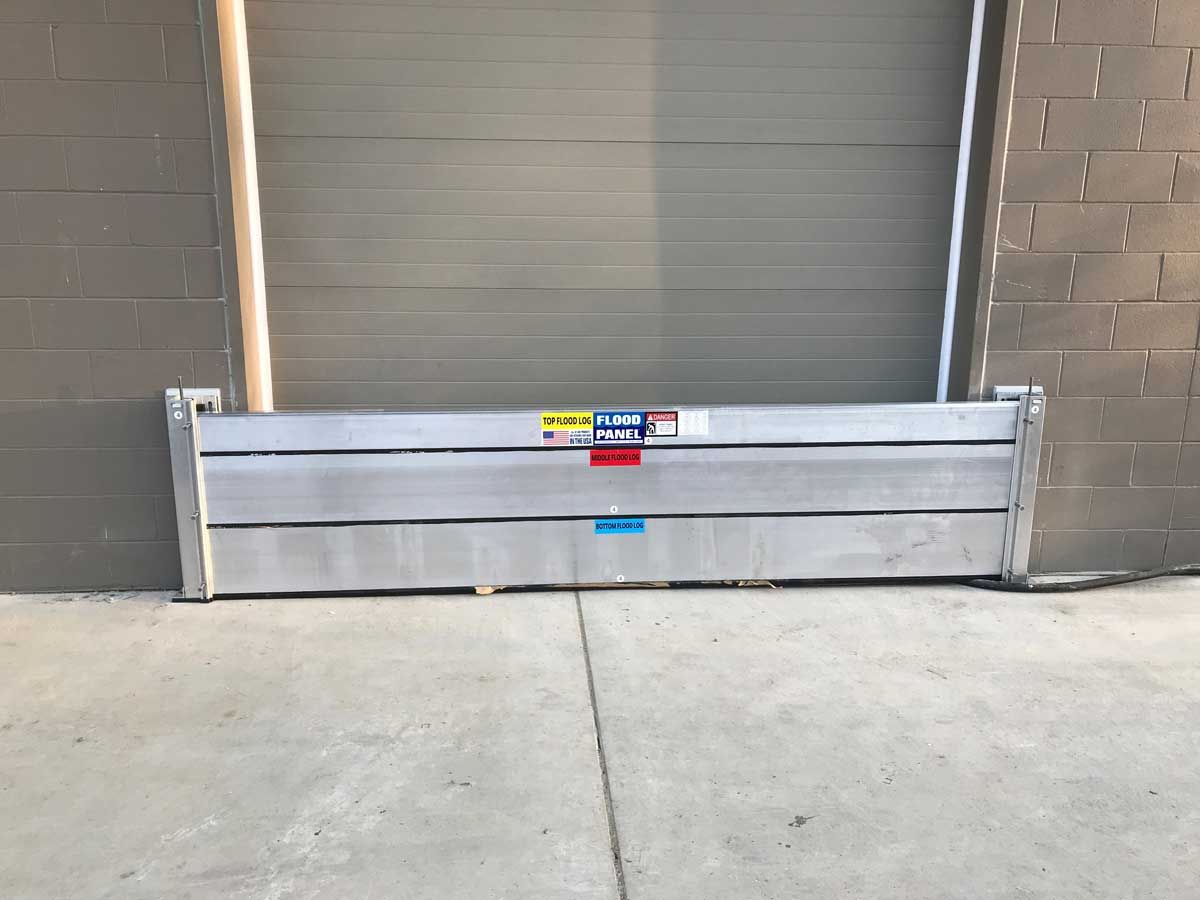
[
  {"x": 331, "y": 488},
  {"x": 369, "y": 558},
  {"x": 359, "y": 502},
  {"x": 283, "y": 432}
]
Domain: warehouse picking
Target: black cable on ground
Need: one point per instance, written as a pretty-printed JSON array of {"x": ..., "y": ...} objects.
[{"x": 1064, "y": 587}]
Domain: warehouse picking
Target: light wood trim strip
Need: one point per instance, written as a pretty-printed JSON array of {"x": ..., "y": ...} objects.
[{"x": 247, "y": 224}]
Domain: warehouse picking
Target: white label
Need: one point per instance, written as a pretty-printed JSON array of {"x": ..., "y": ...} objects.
[{"x": 693, "y": 422}]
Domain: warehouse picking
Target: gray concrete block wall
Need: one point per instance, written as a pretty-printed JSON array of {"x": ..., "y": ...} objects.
[
  {"x": 110, "y": 283},
  {"x": 1097, "y": 285}
]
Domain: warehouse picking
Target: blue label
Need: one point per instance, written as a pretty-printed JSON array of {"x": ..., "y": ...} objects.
[
  {"x": 620, "y": 526},
  {"x": 619, "y": 427}
]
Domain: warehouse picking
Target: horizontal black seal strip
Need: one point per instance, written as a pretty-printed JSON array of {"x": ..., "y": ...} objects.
[
  {"x": 759, "y": 583},
  {"x": 983, "y": 442},
  {"x": 817, "y": 514}
]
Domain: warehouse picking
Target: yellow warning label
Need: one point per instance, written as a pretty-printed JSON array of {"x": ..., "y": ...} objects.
[{"x": 569, "y": 420}]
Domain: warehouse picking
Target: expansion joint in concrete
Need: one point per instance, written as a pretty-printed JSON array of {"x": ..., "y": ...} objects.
[{"x": 614, "y": 837}]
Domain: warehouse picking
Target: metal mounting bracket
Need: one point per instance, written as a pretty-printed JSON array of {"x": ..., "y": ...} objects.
[
  {"x": 183, "y": 406},
  {"x": 1023, "y": 488}
]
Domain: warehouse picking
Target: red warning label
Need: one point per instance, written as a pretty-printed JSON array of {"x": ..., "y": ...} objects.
[{"x": 630, "y": 456}]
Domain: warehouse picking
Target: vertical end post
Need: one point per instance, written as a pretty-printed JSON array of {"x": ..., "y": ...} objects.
[
  {"x": 187, "y": 476},
  {"x": 1031, "y": 412}
]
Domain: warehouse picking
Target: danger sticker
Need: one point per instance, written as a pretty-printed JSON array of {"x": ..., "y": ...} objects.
[
  {"x": 566, "y": 429},
  {"x": 619, "y": 427},
  {"x": 629, "y": 456},
  {"x": 620, "y": 526},
  {"x": 662, "y": 424}
]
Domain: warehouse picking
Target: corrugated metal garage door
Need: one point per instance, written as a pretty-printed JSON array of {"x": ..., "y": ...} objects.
[{"x": 612, "y": 201}]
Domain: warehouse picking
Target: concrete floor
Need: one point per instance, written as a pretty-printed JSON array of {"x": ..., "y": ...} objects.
[{"x": 931, "y": 742}]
